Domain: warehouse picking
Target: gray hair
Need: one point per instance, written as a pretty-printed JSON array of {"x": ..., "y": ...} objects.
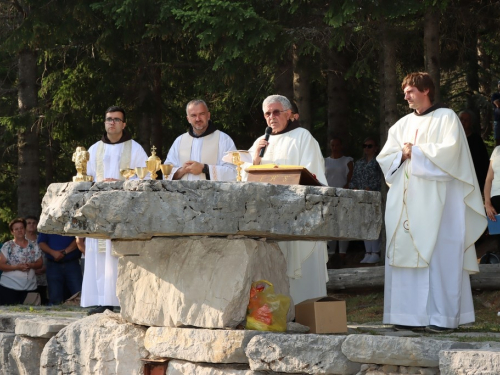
[
  {"x": 473, "y": 118},
  {"x": 277, "y": 99},
  {"x": 196, "y": 102}
]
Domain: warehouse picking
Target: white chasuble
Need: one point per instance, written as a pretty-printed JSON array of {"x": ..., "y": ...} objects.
[
  {"x": 306, "y": 260},
  {"x": 207, "y": 150},
  {"x": 418, "y": 187},
  {"x": 101, "y": 267},
  {"x": 434, "y": 215}
]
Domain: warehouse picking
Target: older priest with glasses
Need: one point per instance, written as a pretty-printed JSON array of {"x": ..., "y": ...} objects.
[
  {"x": 116, "y": 150},
  {"x": 290, "y": 144}
]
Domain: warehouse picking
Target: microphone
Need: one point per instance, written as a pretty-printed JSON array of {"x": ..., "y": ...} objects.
[{"x": 269, "y": 130}]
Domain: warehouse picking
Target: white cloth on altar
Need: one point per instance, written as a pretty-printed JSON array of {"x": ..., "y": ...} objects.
[
  {"x": 306, "y": 260},
  {"x": 221, "y": 172},
  {"x": 427, "y": 237},
  {"x": 101, "y": 269}
]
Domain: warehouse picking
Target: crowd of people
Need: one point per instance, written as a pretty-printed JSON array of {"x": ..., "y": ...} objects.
[{"x": 433, "y": 162}]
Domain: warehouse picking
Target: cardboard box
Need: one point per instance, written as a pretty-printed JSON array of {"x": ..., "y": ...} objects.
[{"x": 322, "y": 315}]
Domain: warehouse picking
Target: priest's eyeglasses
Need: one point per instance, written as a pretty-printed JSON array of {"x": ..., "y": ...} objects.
[
  {"x": 110, "y": 120},
  {"x": 274, "y": 113},
  {"x": 367, "y": 145}
]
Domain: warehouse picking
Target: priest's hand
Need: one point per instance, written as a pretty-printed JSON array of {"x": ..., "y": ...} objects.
[
  {"x": 193, "y": 167},
  {"x": 406, "y": 151},
  {"x": 256, "y": 156},
  {"x": 490, "y": 211}
]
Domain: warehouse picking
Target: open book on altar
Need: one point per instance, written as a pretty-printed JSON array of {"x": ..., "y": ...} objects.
[{"x": 281, "y": 175}]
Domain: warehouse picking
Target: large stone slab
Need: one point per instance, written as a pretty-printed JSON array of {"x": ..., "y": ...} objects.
[
  {"x": 199, "y": 345},
  {"x": 398, "y": 351},
  {"x": 202, "y": 282},
  {"x": 470, "y": 362},
  {"x": 144, "y": 209},
  {"x": 303, "y": 354},
  {"x": 7, "y": 364},
  {"x": 26, "y": 353},
  {"x": 102, "y": 344},
  {"x": 176, "y": 367},
  {"x": 42, "y": 327}
]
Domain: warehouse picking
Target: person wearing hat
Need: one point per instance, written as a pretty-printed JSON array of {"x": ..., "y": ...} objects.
[{"x": 495, "y": 100}]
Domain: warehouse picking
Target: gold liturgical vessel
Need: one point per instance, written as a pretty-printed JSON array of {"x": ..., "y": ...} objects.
[
  {"x": 127, "y": 173},
  {"x": 81, "y": 157},
  {"x": 141, "y": 172},
  {"x": 236, "y": 160},
  {"x": 153, "y": 163}
]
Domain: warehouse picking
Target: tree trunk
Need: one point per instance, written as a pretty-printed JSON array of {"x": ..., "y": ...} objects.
[
  {"x": 363, "y": 278},
  {"x": 390, "y": 86},
  {"x": 338, "y": 103},
  {"x": 431, "y": 48},
  {"x": 484, "y": 60},
  {"x": 283, "y": 79},
  {"x": 471, "y": 70},
  {"x": 302, "y": 89},
  {"x": 144, "y": 95},
  {"x": 49, "y": 159},
  {"x": 156, "y": 128},
  {"x": 28, "y": 185}
]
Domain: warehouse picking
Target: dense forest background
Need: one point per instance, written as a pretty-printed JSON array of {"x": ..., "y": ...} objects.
[{"x": 62, "y": 63}]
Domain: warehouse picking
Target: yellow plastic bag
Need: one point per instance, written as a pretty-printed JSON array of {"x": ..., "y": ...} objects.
[{"x": 266, "y": 311}]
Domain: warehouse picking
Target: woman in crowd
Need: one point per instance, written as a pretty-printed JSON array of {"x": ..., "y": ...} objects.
[
  {"x": 19, "y": 258},
  {"x": 338, "y": 170},
  {"x": 367, "y": 176},
  {"x": 492, "y": 189}
]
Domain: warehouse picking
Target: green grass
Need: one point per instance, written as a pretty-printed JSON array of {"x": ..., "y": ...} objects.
[{"x": 369, "y": 308}]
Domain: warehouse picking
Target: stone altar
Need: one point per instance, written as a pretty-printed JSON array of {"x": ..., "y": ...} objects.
[{"x": 189, "y": 250}]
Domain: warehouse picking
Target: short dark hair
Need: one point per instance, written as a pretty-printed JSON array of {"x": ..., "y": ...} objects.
[
  {"x": 15, "y": 221},
  {"x": 336, "y": 138},
  {"x": 115, "y": 108},
  {"x": 196, "y": 102},
  {"x": 294, "y": 108},
  {"x": 31, "y": 217},
  {"x": 422, "y": 81}
]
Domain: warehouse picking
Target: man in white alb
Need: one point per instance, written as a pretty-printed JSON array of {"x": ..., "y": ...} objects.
[
  {"x": 197, "y": 154},
  {"x": 434, "y": 215},
  {"x": 290, "y": 144},
  {"x": 116, "y": 150}
]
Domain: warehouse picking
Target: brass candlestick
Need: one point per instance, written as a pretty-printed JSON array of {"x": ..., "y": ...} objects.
[
  {"x": 81, "y": 157},
  {"x": 236, "y": 160},
  {"x": 153, "y": 163}
]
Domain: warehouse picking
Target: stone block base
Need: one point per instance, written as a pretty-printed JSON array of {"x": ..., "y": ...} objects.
[{"x": 202, "y": 282}]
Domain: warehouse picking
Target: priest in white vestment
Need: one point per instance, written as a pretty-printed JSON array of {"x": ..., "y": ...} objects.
[
  {"x": 289, "y": 144},
  {"x": 434, "y": 215},
  {"x": 197, "y": 154},
  {"x": 116, "y": 150}
]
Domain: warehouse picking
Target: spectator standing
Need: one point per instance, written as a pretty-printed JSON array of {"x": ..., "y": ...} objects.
[
  {"x": 477, "y": 147},
  {"x": 338, "y": 171},
  {"x": 41, "y": 279},
  {"x": 367, "y": 175},
  {"x": 19, "y": 258},
  {"x": 63, "y": 266},
  {"x": 495, "y": 100}
]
